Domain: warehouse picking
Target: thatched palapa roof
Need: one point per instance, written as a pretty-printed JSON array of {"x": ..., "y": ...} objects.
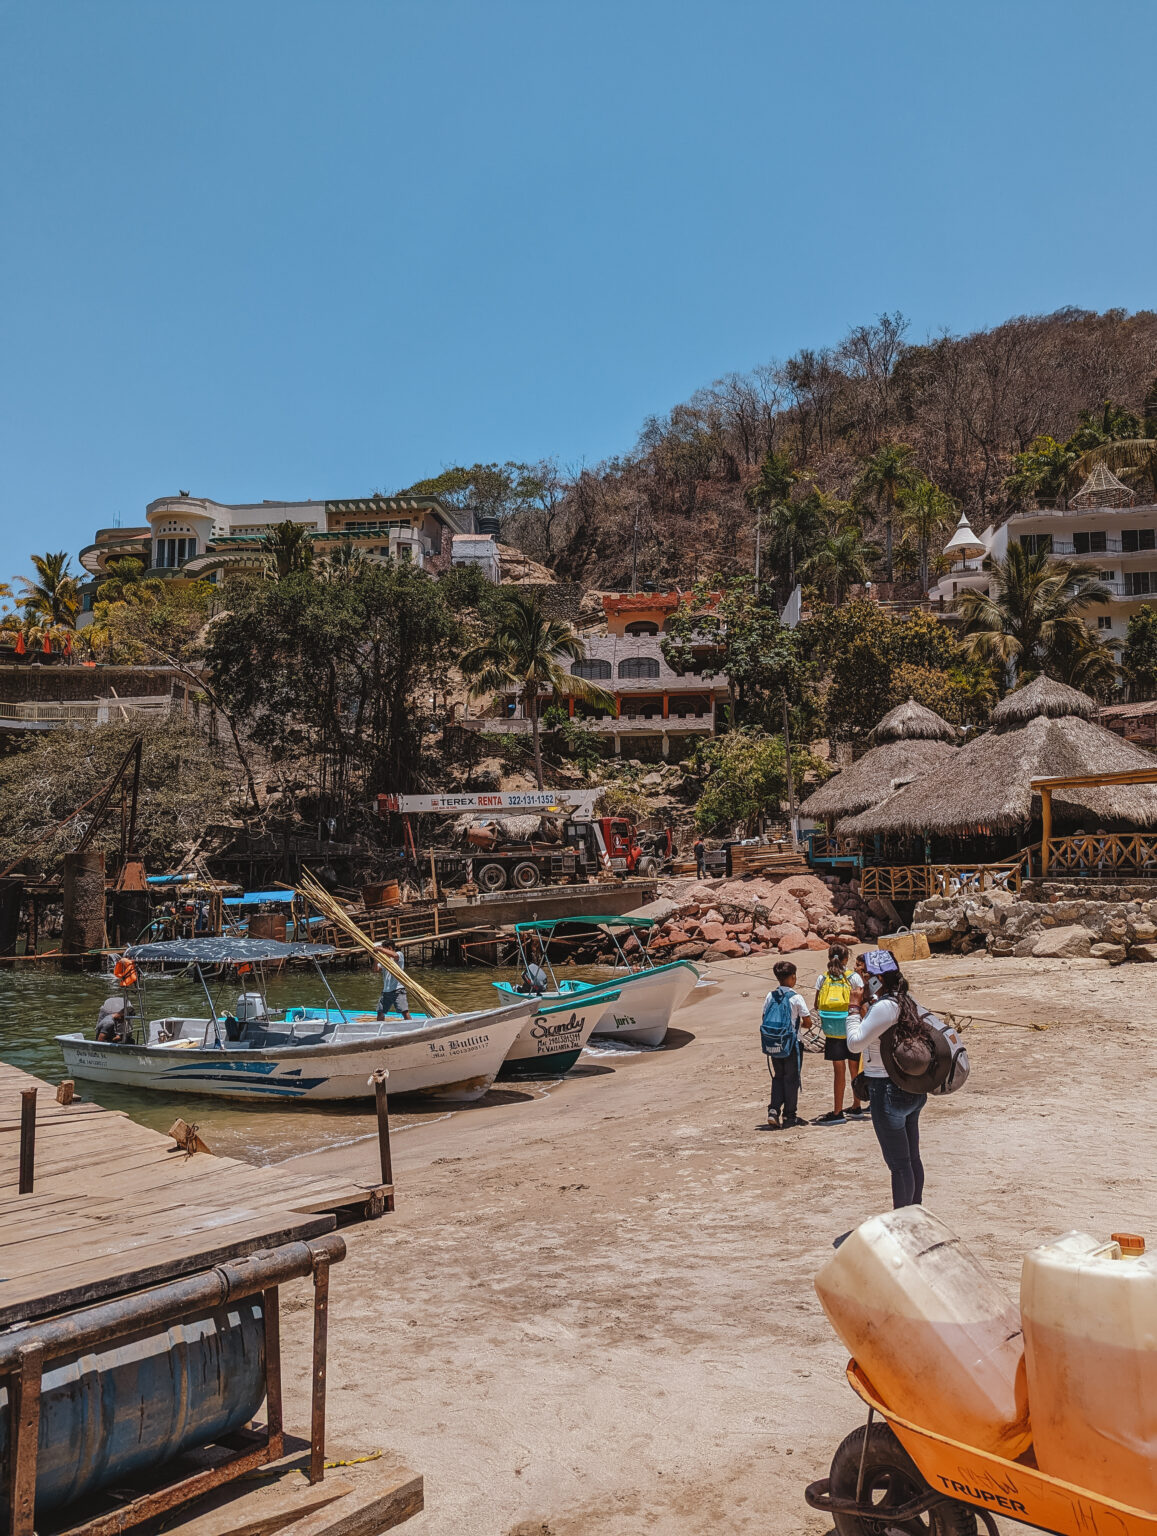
[
  {"x": 913, "y": 722},
  {"x": 913, "y": 741},
  {"x": 1041, "y": 730},
  {"x": 1043, "y": 696}
]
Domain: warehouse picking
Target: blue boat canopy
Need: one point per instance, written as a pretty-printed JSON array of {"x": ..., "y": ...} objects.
[
  {"x": 254, "y": 896},
  {"x": 226, "y": 950}
]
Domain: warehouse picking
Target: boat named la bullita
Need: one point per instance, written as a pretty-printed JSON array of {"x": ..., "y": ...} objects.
[{"x": 250, "y": 1053}]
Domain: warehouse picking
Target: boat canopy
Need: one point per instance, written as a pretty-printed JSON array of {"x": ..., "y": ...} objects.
[
  {"x": 226, "y": 950},
  {"x": 248, "y": 898},
  {"x": 543, "y": 924}
]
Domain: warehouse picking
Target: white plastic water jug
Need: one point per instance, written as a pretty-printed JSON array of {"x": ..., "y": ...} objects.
[
  {"x": 1090, "y": 1333},
  {"x": 932, "y": 1331}
]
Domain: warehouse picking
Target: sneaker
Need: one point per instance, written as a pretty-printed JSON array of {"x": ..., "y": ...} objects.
[
  {"x": 790, "y": 1121},
  {"x": 858, "y": 1111},
  {"x": 831, "y": 1118},
  {"x": 773, "y": 1118}
]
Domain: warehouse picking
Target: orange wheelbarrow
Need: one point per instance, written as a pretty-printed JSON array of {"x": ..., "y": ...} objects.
[{"x": 892, "y": 1478}]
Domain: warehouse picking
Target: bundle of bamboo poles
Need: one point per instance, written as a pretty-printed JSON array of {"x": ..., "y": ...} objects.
[{"x": 317, "y": 896}]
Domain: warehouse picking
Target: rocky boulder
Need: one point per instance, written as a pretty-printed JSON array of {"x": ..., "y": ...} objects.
[{"x": 1070, "y": 943}]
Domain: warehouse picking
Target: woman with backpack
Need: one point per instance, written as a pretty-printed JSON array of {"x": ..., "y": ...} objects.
[
  {"x": 838, "y": 993},
  {"x": 784, "y": 1009},
  {"x": 908, "y": 1054}
]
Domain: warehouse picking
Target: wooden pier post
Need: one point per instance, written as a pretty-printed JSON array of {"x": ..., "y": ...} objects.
[
  {"x": 27, "y": 1140},
  {"x": 387, "y": 1162}
]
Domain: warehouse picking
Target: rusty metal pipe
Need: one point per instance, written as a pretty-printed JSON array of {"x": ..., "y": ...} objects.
[{"x": 161, "y": 1305}]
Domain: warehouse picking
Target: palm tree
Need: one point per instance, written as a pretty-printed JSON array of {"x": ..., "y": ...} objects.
[
  {"x": 125, "y": 582},
  {"x": 1133, "y": 456},
  {"x": 795, "y": 528},
  {"x": 55, "y": 597},
  {"x": 839, "y": 563},
  {"x": 884, "y": 477},
  {"x": 523, "y": 650},
  {"x": 288, "y": 547},
  {"x": 1045, "y": 469},
  {"x": 1032, "y": 622},
  {"x": 926, "y": 510},
  {"x": 344, "y": 560}
]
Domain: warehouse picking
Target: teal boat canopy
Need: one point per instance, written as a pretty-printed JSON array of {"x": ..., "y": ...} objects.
[{"x": 544, "y": 924}]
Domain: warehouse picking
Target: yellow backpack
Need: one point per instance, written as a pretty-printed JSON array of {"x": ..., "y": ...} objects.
[{"x": 835, "y": 993}]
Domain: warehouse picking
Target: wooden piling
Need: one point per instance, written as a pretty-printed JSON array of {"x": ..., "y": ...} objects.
[
  {"x": 381, "y": 1103},
  {"x": 27, "y": 1140}
]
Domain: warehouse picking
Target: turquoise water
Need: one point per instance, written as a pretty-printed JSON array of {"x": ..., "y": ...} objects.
[{"x": 37, "y": 1004}]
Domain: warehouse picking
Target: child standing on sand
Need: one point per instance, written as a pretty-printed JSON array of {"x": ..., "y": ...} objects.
[
  {"x": 784, "y": 1010},
  {"x": 838, "y": 991}
]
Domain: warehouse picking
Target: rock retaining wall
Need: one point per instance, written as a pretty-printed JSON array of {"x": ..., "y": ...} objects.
[{"x": 1114, "y": 925}]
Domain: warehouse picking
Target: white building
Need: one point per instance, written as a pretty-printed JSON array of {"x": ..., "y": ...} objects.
[
  {"x": 1101, "y": 527},
  {"x": 191, "y": 536}
]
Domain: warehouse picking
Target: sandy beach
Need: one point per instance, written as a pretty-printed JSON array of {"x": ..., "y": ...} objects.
[{"x": 593, "y": 1309}]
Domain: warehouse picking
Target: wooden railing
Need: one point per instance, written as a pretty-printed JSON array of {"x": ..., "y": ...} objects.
[
  {"x": 829, "y": 845},
  {"x": 1103, "y": 853},
  {"x": 914, "y": 882}
]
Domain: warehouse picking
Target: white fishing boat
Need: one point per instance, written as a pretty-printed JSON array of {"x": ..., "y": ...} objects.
[
  {"x": 648, "y": 993},
  {"x": 253, "y": 1054}
]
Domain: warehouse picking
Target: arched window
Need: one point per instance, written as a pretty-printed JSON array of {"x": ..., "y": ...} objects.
[
  {"x": 639, "y": 666},
  {"x": 593, "y": 668},
  {"x": 642, "y": 627}
]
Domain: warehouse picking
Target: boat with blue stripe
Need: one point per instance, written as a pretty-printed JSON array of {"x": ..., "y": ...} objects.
[{"x": 306, "y": 1054}]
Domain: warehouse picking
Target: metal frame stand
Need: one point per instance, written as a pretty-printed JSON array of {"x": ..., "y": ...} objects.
[{"x": 24, "y": 1355}]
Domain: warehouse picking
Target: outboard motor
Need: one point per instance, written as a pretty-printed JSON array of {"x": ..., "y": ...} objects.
[{"x": 250, "y": 1008}]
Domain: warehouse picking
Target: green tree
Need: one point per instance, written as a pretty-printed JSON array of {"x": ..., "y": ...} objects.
[
  {"x": 1139, "y": 657},
  {"x": 839, "y": 562},
  {"x": 1033, "y": 621},
  {"x": 853, "y": 652},
  {"x": 523, "y": 649},
  {"x": 795, "y": 528},
  {"x": 489, "y": 490},
  {"x": 54, "y": 596},
  {"x": 883, "y": 480},
  {"x": 724, "y": 628},
  {"x": 1046, "y": 469},
  {"x": 744, "y": 777},
  {"x": 341, "y": 561},
  {"x": 1108, "y": 425},
  {"x": 926, "y": 511},
  {"x": 125, "y": 582},
  {"x": 338, "y": 678},
  {"x": 288, "y": 548}
]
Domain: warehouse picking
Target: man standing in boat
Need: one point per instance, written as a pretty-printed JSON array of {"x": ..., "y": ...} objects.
[{"x": 393, "y": 997}]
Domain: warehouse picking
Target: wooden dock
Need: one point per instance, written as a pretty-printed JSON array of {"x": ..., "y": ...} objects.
[{"x": 115, "y": 1206}]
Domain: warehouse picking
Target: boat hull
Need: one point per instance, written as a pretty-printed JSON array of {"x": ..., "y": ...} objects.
[
  {"x": 453, "y": 1060},
  {"x": 646, "y": 1002},
  {"x": 552, "y": 1039}
]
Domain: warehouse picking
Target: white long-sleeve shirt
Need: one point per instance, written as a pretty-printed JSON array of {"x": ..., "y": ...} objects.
[{"x": 864, "y": 1034}]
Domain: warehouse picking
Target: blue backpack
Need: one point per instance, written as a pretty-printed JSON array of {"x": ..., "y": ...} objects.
[{"x": 777, "y": 1031}]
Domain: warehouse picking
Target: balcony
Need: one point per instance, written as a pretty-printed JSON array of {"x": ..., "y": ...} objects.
[{"x": 37, "y": 715}]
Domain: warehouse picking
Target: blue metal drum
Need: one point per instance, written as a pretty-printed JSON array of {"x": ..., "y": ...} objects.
[{"x": 111, "y": 1412}]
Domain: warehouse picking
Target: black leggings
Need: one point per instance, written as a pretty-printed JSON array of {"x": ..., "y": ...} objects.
[
  {"x": 896, "y": 1122},
  {"x": 785, "y": 1083}
]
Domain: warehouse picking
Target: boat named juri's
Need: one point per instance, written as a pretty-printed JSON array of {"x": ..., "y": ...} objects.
[
  {"x": 328, "y": 1056},
  {"x": 647, "y": 994}
]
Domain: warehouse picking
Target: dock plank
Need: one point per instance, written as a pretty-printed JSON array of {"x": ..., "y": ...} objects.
[{"x": 117, "y": 1206}]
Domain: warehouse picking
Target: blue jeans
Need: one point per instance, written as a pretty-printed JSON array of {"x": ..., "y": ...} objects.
[{"x": 896, "y": 1122}]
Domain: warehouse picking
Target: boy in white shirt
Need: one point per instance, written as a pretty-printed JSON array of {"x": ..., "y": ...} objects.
[{"x": 781, "y": 1112}]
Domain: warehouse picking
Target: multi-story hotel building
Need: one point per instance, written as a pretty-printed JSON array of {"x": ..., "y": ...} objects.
[
  {"x": 1103, "y": 526},
  {"x": 189, "y": 536}
]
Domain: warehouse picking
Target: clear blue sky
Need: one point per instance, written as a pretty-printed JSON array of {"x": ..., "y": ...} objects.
[{"x": 261, "y": 248}]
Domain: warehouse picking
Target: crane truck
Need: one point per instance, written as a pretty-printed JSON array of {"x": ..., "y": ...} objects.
[{"x": 588, "y": 844}]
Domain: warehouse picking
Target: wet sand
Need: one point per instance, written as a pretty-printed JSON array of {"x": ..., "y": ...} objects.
[{"x": 592, "y": 1311}]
